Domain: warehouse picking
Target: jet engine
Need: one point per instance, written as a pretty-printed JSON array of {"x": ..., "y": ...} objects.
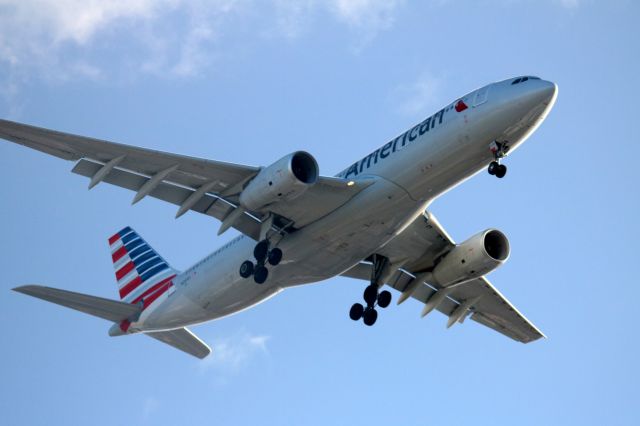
[
  {"x": 284, "y": 180},
  {"x": 472, "y": 259}
]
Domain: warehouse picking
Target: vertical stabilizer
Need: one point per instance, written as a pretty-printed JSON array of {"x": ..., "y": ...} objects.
[{"x": 141, "y": 272}]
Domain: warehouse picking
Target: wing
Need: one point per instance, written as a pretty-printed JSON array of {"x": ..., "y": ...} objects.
[
  {"x": 100, "y": 307},
  {"x": 184, "y": 340},
  {"x": 418, "y": 248},
  {"x": 196, "y": 184}
]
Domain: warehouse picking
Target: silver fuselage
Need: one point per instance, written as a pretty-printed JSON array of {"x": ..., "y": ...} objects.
[{"x": 409, "y": 171}]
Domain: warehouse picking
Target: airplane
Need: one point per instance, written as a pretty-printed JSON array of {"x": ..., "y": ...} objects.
[{"x": 369, "y": 222}]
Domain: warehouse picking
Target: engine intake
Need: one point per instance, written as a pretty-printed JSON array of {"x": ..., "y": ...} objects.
[
  {"x": 284, "y": 180},
  {"x": 472, "y": 259}
]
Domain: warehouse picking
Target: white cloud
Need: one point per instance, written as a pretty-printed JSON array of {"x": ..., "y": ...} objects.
[
  {"x": 149, "y": 407},
  {"x": 116, "y": 40},
  {"x": 293, "y": 17},
  {"x": 366, "y": 17},
  {"x": 569, "y": 4},
  {"x": 231, "y": 354},
  {"x": 420, "y": 96},
  {"x": 176, "y": 35},
  {"x": 369, "y": 15}
]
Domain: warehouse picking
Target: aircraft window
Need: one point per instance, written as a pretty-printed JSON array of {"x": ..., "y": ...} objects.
[
  {"x": 516, "y": 81},
  {"x": 524, "y": 79}
]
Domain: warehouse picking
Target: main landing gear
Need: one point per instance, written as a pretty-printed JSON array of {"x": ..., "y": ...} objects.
[
  {"x": 263, "y": 254},
  {"x": 499, "y": 150},
  {"x": 372, "y": 296}
]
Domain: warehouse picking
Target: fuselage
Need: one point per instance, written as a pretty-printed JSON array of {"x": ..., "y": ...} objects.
[{"x": 409, "y": 172}]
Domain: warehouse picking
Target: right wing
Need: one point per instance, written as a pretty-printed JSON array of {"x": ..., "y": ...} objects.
[
  {"x": 418, "y": 248},
  {"x": 184, "y": 340},
  {"x": 205, "y": 186}
]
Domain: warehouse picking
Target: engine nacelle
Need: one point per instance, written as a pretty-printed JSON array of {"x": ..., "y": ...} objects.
[
  {"x": 472, "y": 259},
  {"x": 284, "y": 180}
]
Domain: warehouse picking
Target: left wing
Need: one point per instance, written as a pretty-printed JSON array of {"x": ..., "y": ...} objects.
[
  {"x": 111, "y": 310},
  {"x": 205, "y": 186},
  {"x": 417, "y": 249}
]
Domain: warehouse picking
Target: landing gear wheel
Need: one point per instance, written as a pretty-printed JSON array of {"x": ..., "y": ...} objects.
[
  {"x": 371, "y": 294},
  {"x": 370, "y": 316},
  {"x": 275, "y": 256},
  {"x": 493, "y": 167},
  {"x": 384, "y": 299},
  {"x": 501, "y": 171},
  {"x": 356, "y": 311},
  {"x": 261, "y": 250},
  {"x": 246, "y": 269},
  {"x": 260, "y": 274}
]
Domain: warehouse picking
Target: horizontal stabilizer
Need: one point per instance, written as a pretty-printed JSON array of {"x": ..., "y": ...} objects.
[
  {"x": 111, "y": 310},
  {"x": 183, "y": 339}
]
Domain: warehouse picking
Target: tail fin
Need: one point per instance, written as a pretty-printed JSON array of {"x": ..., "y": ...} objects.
[{"x": 139, "y": 268}]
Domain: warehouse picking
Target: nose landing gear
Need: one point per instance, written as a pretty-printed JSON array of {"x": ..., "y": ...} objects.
[
  {"x": 497, "y": 169},
  {"x": 499, "y": 150},
  {"x": 372, "y": 296},
  {"x": 263, "y": 255}
]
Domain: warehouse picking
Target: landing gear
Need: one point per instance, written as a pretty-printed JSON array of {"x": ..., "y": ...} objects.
[
  {"x": 246, "y": 269},
  {"x": 356, "y": 311},
  {"x": 260, "y": 274},
  {"x": 497, "y": 169},
  {"x": 384, "y": 299},
  {"x": 499, "y": 150},
  {"x": 370, "y": 316},
  {"x": 263, "y": 254},
  {"x": 275, "y": 256},
  {"x": 372, "y": 296}
]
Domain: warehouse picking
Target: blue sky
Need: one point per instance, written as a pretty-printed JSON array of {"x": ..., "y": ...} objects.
[{"x": 249, "y": 81}]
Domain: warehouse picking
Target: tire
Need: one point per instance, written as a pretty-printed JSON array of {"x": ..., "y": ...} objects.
[
  {"x": 246, "y": 269},
  {"x": 493, "y": 167},
  {"x": 370, "y": 294},
  {"x": 384, "y": 299},
  {"x": 501, "y": 171},
  {"x": 356, "y": 311},
  {"x": 260, "y": 274},
  {"x": 261, "y": 250},
  {"x": 370, "y": 316},
  {"x": 275, "y": 256}
]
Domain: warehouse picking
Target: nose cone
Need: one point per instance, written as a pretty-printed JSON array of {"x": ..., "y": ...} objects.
[
  {"x": 527, "y": 102},
  {"x": 537, "y": 93},
  {"x": 546, "y": 91}
]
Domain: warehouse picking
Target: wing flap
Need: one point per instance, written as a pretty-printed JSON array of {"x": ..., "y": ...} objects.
[
  {"x": 208, "y": 204},
  {"x": 108, "y": 309},
  {"x": 184, "y": 340}
]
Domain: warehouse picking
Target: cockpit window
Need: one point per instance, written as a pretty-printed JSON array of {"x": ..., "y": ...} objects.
[{"x": 523, "y": 79}]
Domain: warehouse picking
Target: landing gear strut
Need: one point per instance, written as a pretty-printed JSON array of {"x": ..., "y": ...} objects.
[
  {"x": 499, "y": 150},
  {"x": 263, "y": 254},
  {"x": 372, "y": 295}
]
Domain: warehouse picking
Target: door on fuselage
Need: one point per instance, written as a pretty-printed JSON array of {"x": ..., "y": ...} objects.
[{"x": 481, "y": 96}]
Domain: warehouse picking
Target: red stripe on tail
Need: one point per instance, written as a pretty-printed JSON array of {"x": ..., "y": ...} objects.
[
  {"x": 124, "y": 270},
  {"x": 152, "y": 289},
  {"x": 118, "y": 254},
  {"x": 132, "y": 285}
]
